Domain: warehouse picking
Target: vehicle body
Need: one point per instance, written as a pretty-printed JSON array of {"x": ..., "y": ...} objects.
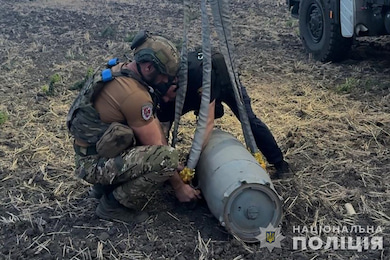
[{"x": 328, "y": 27}]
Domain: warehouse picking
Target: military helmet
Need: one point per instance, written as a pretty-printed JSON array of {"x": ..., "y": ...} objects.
[{"x": 156, "y": 49}]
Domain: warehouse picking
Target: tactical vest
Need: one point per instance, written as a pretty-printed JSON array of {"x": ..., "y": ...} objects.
[
  {"x": 83, "y": 121},
  {"x": 220, "y": 80}
]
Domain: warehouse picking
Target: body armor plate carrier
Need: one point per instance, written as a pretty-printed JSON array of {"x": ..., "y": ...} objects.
[{"x": 83, "y": 121}]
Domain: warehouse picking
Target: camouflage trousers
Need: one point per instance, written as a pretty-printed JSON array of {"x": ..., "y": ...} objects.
[{"x": 135, "y": 173}]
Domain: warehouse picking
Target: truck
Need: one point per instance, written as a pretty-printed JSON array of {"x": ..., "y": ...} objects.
[{"x": 328, "y": 28}]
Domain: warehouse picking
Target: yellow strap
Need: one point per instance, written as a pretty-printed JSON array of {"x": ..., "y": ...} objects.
[
  {"x": 259, "y": 159},
  {"x": 187, "y": 174}
]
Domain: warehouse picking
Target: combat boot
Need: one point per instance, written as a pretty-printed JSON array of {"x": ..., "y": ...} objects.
[
  {"x": 98, "y": 190},
  {"x": 110, "y": 209},
  {"x": 282, "y": 170}
]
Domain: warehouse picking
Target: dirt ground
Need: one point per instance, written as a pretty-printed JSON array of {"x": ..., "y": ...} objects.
[{"x": 332, "y": 122}]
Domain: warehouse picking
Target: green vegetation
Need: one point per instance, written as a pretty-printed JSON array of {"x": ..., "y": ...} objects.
[
  {"x": 351, "y": 84},
  {"x": 3, "y": 117},
  {"x": 49, "y": 89},
  {"x": 292, "y": 22},
  {"x": 55, "y": 78},
  {"x": 348, "y": 86},
  {"x": 45, "y": 89},
  {"x": 79, "y": 84},
  {"x": 89, "y": 72}
]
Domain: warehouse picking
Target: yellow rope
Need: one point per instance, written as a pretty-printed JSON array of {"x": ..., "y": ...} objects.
[
  {"x": 259, "y": 159},
  {"x": 187, "y": 174}
]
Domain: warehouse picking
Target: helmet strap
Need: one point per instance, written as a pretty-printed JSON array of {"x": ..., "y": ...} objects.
[
  {"x": 142, "y": 75},
  {"x": 156, "y": 95}
]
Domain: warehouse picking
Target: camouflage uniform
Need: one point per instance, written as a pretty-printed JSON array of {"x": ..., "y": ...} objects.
[
  {"x": 137, "y": 172},
  {"x": 139, "y": 169}
]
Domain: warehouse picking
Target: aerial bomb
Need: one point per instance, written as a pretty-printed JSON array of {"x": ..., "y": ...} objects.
[{"x": 238, "y": 191}]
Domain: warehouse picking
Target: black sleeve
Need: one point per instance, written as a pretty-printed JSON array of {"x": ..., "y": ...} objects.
[
  {"x": 195, "y": 78},
  {"x": 194, "y": 86},
  {"x": 166, "y": 112}
]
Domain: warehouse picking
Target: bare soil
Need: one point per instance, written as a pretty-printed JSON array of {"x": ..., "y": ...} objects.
[{"x": 332, "y": 122}]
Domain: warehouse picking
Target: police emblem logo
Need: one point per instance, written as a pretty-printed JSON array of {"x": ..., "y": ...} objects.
[
  {"x": 270, "y": 237},
  {"x": 147, "y": 111}
]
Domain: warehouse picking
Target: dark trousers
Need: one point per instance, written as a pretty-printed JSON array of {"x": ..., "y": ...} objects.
[{"x": 264, "y": 139}]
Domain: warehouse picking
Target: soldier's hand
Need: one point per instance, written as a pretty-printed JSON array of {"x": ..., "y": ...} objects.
[
  {"x": 185, "y": 193},
  {"x": 180, "y": 167}
]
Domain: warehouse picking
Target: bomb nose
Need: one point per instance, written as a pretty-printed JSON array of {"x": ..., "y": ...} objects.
[{"x": 252, "y": 212}]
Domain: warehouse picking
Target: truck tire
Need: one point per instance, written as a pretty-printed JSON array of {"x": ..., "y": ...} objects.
[{"x": 321, "y": 35}]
